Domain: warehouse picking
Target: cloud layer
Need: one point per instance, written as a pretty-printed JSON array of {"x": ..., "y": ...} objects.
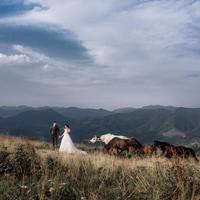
[{"x": 104, "y": 53}]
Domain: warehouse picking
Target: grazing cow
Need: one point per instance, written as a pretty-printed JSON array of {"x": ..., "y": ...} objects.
[
  {"x": 106, "y": 138},
  {"x": 120, "y": 145}
]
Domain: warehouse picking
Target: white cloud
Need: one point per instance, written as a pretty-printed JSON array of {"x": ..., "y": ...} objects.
[
  {"x": 48, "y": 70},
  {"x": 143, "y": 48},
  {"x": 15, "y": 59},
  {"x": 45, "y": 67},
  {"x": 120, "y": 32},
  {"x": 36, "y": 56}
]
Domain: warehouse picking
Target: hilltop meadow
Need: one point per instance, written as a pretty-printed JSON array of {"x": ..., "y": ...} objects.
[{"x": 33, "y": 170}]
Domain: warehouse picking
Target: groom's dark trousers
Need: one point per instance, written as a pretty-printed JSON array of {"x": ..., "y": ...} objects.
[{"x": 54, "y": 135}]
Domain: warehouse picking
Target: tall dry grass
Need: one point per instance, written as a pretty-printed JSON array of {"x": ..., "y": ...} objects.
[{"x": 33, "y": 170}]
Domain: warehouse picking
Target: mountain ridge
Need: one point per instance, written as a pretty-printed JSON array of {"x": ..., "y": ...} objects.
[{"x": 180, "y": 124}]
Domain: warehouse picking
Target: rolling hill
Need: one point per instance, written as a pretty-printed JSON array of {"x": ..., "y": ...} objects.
[
  {"x": 154, "y": 107},
  {"x": 176, "y": 125},
  {"x": 147, "y": 125},
  {"x": 33, "y": 124},
  {"x": 72, "y": 112},
  {"x": 8, "y": 111},
  {"x": 124, "y": 110},
  {"x": 81, "y": 113}
]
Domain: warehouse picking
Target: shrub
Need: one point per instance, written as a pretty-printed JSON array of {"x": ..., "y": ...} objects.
[
  {"x": 50, "y": 163},
  {"x": 26, "y": 161},
  {"x": 5, "y": 162}
]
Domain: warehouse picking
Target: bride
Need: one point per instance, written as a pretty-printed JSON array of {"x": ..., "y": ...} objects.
[{"x": 66, "y": 144}]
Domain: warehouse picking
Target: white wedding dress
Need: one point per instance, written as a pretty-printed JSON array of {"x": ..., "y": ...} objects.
[{"x": 67, "y": 144}]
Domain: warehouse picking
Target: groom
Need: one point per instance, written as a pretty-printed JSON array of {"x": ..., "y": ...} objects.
[{"x": 55, "y": 131}]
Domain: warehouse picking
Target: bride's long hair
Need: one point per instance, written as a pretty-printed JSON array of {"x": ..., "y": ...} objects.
[{"x": 66, "y": 126}]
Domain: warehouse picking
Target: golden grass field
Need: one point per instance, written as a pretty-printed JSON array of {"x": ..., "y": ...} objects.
[{"x": 97, "y": 176}]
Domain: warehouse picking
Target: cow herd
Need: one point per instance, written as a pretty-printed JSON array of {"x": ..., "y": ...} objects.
[{"x": 118, "y": 145}]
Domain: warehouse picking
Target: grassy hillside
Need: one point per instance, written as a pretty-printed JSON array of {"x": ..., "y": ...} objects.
[{"x": 32, "y": 170}]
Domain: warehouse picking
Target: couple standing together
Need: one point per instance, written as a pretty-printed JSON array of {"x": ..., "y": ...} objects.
[{"x": 67, "y": 144}]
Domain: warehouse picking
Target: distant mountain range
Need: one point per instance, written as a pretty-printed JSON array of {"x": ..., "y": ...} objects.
[
  {"x": 148, "y": 123},
  {"x": 80, "y": 113},
  {"x": 73, "y": 112},
  {"x": 124, "y": 110},
  {"x": 7, "y": 111}
]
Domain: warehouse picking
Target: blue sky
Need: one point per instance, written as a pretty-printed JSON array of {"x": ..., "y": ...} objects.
[
  {"x": 13, "y": 7},
  {"x": 100, "y": 53}
]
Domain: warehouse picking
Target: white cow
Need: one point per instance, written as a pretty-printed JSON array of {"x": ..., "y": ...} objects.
[{"x": 106, "y": 138}]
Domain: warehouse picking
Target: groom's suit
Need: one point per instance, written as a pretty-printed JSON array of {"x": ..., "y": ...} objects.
[{"x": 55, "y": 131}]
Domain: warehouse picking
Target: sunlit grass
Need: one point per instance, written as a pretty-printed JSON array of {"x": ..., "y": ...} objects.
[{"x": 96, "y": 176}]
